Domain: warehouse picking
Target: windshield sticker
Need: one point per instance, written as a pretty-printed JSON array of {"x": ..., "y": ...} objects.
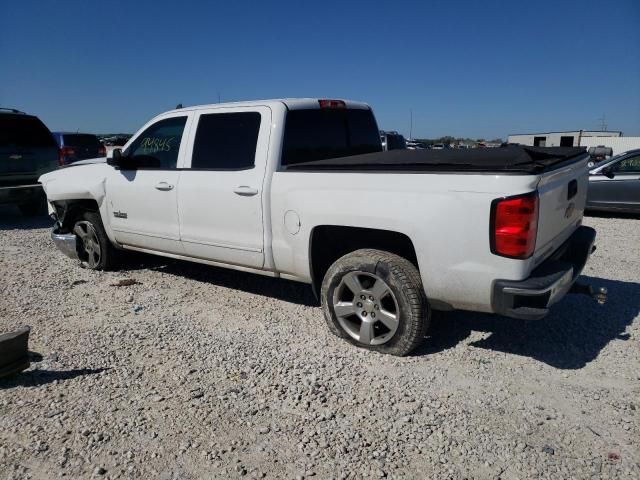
[{"x": 155, "y": 144}]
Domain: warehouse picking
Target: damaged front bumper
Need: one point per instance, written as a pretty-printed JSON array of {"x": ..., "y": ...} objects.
[{"x": 67, "y": 243}]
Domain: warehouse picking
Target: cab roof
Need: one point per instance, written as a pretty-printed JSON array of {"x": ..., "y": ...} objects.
[{"x": 290, "y": 103}]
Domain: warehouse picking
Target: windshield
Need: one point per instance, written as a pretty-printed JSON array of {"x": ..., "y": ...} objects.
[{"x": 613, "y": 160}]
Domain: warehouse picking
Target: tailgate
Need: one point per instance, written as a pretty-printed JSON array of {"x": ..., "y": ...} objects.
[
  {"x": 563, "y": 195},
  {"x": 28, "y": 161}
]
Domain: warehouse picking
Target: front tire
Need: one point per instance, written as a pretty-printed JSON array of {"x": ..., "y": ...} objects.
[
  {"x": 375, "y": 300},
  {"x": 94, "y": 247}
]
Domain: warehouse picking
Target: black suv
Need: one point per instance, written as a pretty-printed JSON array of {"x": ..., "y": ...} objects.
[{"x": 27, "y": 150}]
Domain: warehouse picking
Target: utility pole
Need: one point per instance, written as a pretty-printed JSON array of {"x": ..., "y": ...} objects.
[
  {"x": 218, "y": 97},
  {"x": 603, "y": 123},
  {"x": 410, "y": 124}
]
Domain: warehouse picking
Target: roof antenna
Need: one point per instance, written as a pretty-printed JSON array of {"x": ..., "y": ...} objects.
[{"x": 178, "y": 106}]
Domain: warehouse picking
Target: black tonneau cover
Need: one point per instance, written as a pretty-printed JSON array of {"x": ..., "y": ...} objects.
[{"x": 508, "y": 159}]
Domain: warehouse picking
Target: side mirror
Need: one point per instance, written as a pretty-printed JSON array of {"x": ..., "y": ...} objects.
[
  {"x": 607, "y": 172},
  {"x": 116, "y": 157}
]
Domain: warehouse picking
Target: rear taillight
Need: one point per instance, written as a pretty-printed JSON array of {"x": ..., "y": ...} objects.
[
  {"x": 102, "y": 151},
  {"x": 514, "y": 225},
  {"x": 332, "y": 104},
  {"x": 63, "y": 153}
]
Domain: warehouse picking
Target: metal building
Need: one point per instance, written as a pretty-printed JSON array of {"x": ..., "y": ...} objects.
[
  {"x": 559, "y": 139},
  {"x": 616, "y": 144}
]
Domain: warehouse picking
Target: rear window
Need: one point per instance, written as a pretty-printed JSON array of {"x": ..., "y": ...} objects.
[
  {"x": 226, "y": 141},
  {"x": 80, "y": 140},
  {"x": 21, "y": 131},
  {"x": 329, "y": 133}
]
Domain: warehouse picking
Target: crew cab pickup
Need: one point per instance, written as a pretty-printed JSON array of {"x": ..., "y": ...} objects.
[{"x": 300, "y": 189}]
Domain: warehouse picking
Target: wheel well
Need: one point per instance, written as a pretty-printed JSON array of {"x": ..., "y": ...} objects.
[
  {"x": 330, "y": 242},
  {"x": 69, "y": 210}
]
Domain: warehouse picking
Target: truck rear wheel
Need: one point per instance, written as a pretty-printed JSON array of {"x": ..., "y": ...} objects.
[
  {"x": 94, "y": 247},
  {"x": 375, "y": 300}
]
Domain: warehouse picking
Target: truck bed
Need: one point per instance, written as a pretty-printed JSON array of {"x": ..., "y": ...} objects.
[{"x": 510, "y": 159}]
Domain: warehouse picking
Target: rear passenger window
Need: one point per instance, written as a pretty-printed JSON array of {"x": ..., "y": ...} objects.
[{"x": 226, "y": 141}]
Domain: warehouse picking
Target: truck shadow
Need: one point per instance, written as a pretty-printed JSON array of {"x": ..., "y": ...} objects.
[
  {"x": 286, "y": 290},
  {"x": 572, "y": 335},
  {"x": 599, "y": 214},
  {"x": 35, "y": 378},
  {"x": 12, "y": 219}
]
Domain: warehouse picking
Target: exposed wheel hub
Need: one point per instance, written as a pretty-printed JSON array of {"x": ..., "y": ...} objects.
[
  {"x": 368, "y": 306},
  {"x": 91, "y": 253}
]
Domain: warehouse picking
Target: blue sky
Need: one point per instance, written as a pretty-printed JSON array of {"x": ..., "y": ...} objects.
[{"x": 467, "y": 68}]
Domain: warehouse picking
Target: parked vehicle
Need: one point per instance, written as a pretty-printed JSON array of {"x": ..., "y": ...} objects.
[
  {"x": 615, "y": 184},
  {"x": 116, "y": 140},
  {"x": 293, "y": 189},
  {"x": 392, "y": 141},
  {"x": 437, "y": 146},
  {"x": 411, "y": 145},
  {"x": 27, "y": 150},
  {"x": 78, "y": 146}
]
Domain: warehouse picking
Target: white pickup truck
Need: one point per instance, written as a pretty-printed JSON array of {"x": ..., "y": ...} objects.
[{"x": 299, "y": 189}]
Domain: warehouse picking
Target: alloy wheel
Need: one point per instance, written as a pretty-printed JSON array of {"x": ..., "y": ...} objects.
[
  {"x": 366, "y": 308},
  {"x": 90, "y": 252}
]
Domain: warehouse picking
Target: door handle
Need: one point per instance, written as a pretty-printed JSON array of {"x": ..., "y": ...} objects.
[
  {"x": 164, "y": 186},
  {"x": 245, "y": 191}
]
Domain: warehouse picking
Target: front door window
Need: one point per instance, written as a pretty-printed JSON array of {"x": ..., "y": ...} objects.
[{"x": 158, "y": 146}]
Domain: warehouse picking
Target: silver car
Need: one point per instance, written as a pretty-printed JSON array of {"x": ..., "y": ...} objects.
[{"x": 614, "y": 185}]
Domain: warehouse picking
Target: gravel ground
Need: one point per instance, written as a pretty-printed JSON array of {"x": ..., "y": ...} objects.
[{"x": 198, "y": 372}]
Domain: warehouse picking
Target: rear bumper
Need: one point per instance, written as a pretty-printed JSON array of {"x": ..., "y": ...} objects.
[
  {"x": 67, "y": 243},
  {"x": 531, "y": 298},
  {"x": 21, "y": 193}
]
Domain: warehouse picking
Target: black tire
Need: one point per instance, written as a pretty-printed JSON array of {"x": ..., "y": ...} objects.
[
  {"x": 402, "y": 279},
  {"x": 86, "y": 221},
  {"x": 32, "y": 209}
]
